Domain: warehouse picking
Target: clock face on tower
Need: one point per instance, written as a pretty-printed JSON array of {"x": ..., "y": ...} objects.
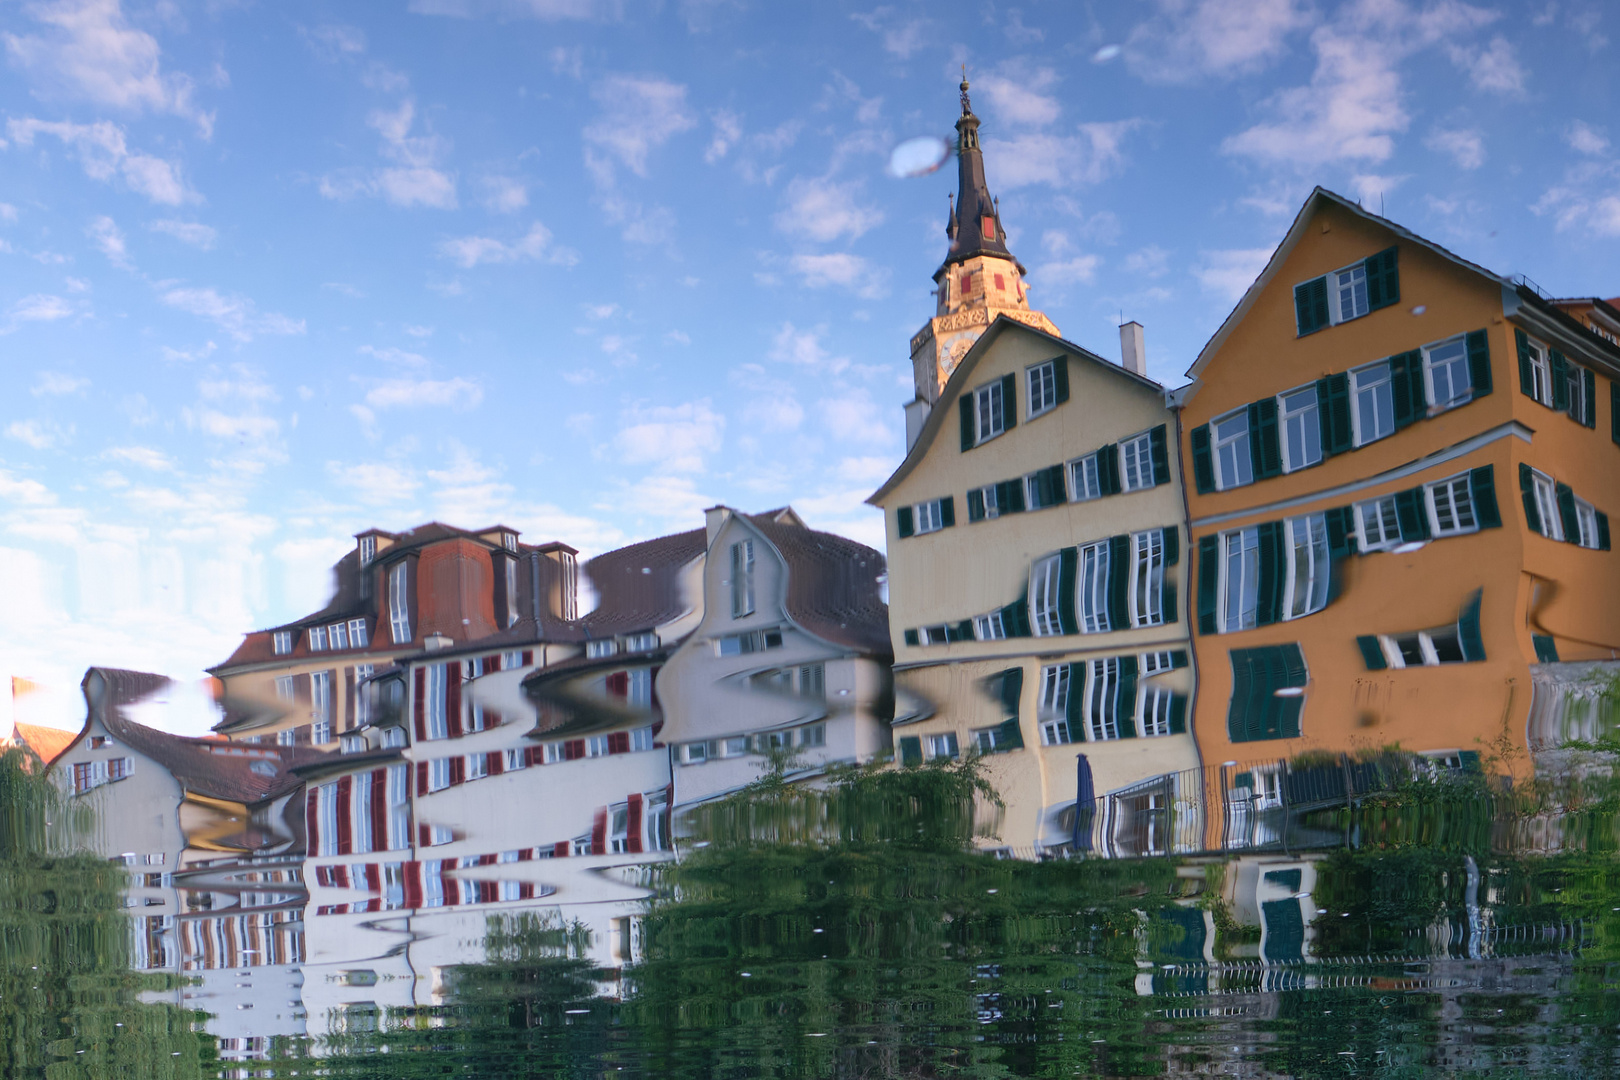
[{"x": 953, "y": 347}]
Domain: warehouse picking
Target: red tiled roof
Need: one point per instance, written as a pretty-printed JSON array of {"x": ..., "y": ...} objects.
[{"x": 45, "y": 742}]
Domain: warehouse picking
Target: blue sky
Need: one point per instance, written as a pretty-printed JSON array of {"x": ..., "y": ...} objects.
[{"x": 274, "y": 273}]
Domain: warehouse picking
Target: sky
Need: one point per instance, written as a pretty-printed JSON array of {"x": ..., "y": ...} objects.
[{"x": 274, "y": 273}]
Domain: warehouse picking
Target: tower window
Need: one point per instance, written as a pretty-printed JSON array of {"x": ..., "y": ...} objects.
[
  {"x": 990, "y": 228},
  {"x": 967, "y": 282},
  {"x": 1001, "y": 283}
]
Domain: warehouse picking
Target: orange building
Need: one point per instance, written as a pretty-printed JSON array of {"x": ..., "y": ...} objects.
[{"x": 1402, "y": 464}]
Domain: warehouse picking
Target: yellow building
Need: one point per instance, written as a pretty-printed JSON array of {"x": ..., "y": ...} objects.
[
  {"x": 1036, "y": 581},
  {"x": 1402, "y": 464}
]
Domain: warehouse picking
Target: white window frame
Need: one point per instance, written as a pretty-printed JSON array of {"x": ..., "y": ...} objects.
[
  {"x": 1091, "y": 588},
  {"x": 1151, "y": 663},
  {"x": 927, "y": 517},
  {"x": 813, "y": 735},
  {"x": 1454, "y": 498},
  {"x": 1153, "y": 711},
  {"x": 1541, "y": 387},
  {"x": 477, "y": 767},
  {"x": 597, "y": 746},
  {"x": 286, "y": 688},
  {"x": 641, "y": 739},
  {"x": 1431, "y": 656},
  {"x": 316, "y": 635},
  {"x": 1040, "y": 383},
  {"x": 989, "y": 412},
  {"x": 989, "y": 627},
  {"x": 1586, "y": 515},
  {"x": 742, "y": 579},
  {"x": 1347, "y": 279},
  {"x": 941, "y": 744},
  {"x": 1136, "y": 462},
  {"x": 513, "y": 759},
  {"x": 1235, "y": 441},
  {"x": 435, "y": 703},
  {"x": 1546, "y": 496},
  {"x": 1454, "y": 363},
  {"x": 1052, "y": 704},
  {"x": 1307, "y": 418},
  {"x": 320, "y": 706},
  {"x": 1043, "y": 598},
  {"x": 1083, "y": 478},
  {"x": 1032, "y": 486},
  {"x": 813, "y": 681},
  {"x": 1374, "y": 386},
  {"x": 1309, "y": 566},
  {"x": 639, "y": 688},
  {"x": 597, "y": 648},
  {"x": 1387, "y": 524},
  {"x": 646, "y": 641},
  {"x": 281, "y": 642},
  {"x": 357, "y": 634},
  {"x": 368, "y": 550},
  {"x": 338, "y": 635},
  {"x": 399, "y": 603},
  {"x": 992, "y": 505},
  {"x": 1102, "y": 686},
  {"x": 511, "y": 590},
  {"x": 438, "y": 774},
  {"x": 1146, "y": 597},
  {"x": 1239, "y": 542}
]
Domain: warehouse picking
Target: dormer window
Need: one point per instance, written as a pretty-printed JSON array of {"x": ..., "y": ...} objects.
[
  {"x": 509, "y": 541},
  {"x": 598, "y": 649},
  {"x": 641, "y": 642},
  {"x": 317, "y": 638},
  {"x": 282, "y": 642},
  {"x": 368, "y": 550}
]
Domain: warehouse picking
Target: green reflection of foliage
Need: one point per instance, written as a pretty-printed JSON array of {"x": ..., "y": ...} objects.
[{"x": 67, "y": 997}]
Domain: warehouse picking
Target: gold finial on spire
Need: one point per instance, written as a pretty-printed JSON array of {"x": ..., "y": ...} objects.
[{"x": 967, "y": 106}]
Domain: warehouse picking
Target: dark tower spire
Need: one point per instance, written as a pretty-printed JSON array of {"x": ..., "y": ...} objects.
[{"x": 975, "y": 226}]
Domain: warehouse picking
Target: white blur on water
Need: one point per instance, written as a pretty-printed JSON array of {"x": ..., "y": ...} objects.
[{"x": 919, "y": 156}]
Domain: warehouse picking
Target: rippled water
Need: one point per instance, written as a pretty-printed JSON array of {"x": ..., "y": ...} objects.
[{"x": 1436, "y": 927}]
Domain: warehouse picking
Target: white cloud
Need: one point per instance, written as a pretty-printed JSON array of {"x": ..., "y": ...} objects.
[
  {"x": 1061, "y": 161},
  {"x": 375, "y": 483},
  {"x": 1152, "y": 261},
  {"x": 854, "y": 417},
  {"x": 1022, "y": 101},
  {"x": 1493, "y": 68},
  {"x": 38, "y": 434},
  {"x": 804, "y": 349},
  {"x": 391, "y": 355},
  {"x": 1228, "y": 274},
  {"x": 1192, "y": 39},
  {"x": 1371, "y": 189},
  {"x": 55, "y": 383},
  {"x": 243, "y": 426},
  {"x": 672, "y": 438},
  {"x": 1467, "y": 148},
  {"x": 40, "y": 307},
  {"x": 90, "y": 52},
  {"x": 144, "y": 456},
  {"x": 1588, "y": 199},
  {"x": 545, "y": 10},
  {"x": 503, "y": 195},
  {"x": 110, "y": 240},
  {"x": 1583, "y": 138},
  {"x": 727, "y": 130},
  {"x": 901, "y": 36},
  {"x": 236, "y": 315},
  {"x": 638, "y": 114},
  {"x": 470, "y": 251},
  {"x": 457, "y": 393},
  {"x": 415, "y": 179},
  {"x": 8, "y": 213},
  {"x": 104, "y": 153},
  {"x": 824, "y": 210},
  {"x": 841, "y": 270},
  {"x": 1080, "y": 270},
  {"x": 187, "y": 232}
]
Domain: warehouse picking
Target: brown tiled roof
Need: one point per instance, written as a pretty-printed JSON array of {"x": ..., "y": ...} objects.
[
  {"x": 212, "y": 768},
  {"x": 638, "y": 587},
  {"x": 832, "y": 586},
  {"x": 45, "y": 742}
]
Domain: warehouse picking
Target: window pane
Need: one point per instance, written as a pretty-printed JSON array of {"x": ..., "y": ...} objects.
[
  {"x": 1448, "y": 372},
  {"x": 1308, "y": 567},
  {"x": 1352, "y": 292},
  {"x": 1375, "y": 402},
  {"x": 1241, "y": 567},
  {"x": 1233, "y": 466},
  {"x": 1447, "y": 645},
  {"x": 1093, "y": 589},
  {"x": 1410, "y": 647},
  {"x": 1379, "y": 525},
  {"x": 1302, "y": 431}
]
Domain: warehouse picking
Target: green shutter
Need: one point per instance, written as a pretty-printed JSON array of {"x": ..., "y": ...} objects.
[
  {"x": 1204, "y": 461},
  {"x": 1566, "y": 512},
  {"x": 1169, "y": 598},
  {"x": 1009, "y": 736},
  {"x": 1546, "y": 648},
  {"x": 1108, "y": 480},
  {"x": 1289, "y": 662},
  {"x": 1074, "y": 709},
  {"x": 1178, "y": 714},
  {"x": 1482, "y": 488},
  {"x": 1468, "y": 632},
  {"x": 1178, "y": 658},
  {"x": 1265, "y": 448},
  {"x": 1527, "y": 381},
  {"x": 1015, "y": 618},
  {"x": 1412, "y": 514},
  {"x": 1560, "y": 381},
  {"x": 1172, "y": 545},
  {"x": 965, "y": 407},
  {"x": 1589, "y": 385},
  {"x": 912, "y": 638},
  {"x": 1161, "y": 455},
  {"x": 1273, "y": 571},
  {"x": 1311, "y": 305},
  {"x": 1285, "y": 930},
  {"x": 1119, "y": 582},
  {"x": 1372, "y": 653},
  {"x": 1469, "y": 760},
  {"x": 1334, "y": 394},
  {"x": 1009, "y": 402},
  {"x": 975, "y": 501},
  {"x": 947, "y": 511},
  {"x": 1256, "y": 712},
  {"x": 903, "y": 518},
  {"x": 1479, "y": 362},
  {"x": 1060, "y": 378},
  {"x": 1125, "y": 698},
  {"x": 1407, "y": 389},
  {"x": 1383, "y": 280},
  {"x": 1242, "y": 721},
  {"x": 910, "y": 750},
  {"x": 1527, "y": 488},
  {"x": 1068, "y": 559},
  {"x": 1208, "y": 582},
  {"x": 1056, "y": 486},
  {"x": 1012, "y": 689},
  {"x": 1341, "y": 530},
  {"x": 1603, "y": 531},
  {"x": 1010, "y": 496},
  {"x": 964, "y": 631}
]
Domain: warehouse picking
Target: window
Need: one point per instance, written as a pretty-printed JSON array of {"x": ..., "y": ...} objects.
[
  {"x": 742, "y": 578},
  {"x": 511, "y": 589},
  {"x": 639, "y": 688},
  {"x": 658, "y": 838},
  {"x": 1546, "y": 498},
  {"x": 434, "y": 706},
  {"x": 1043, "y": 597},
  {"x": 511, "y": 661},
  {"x": 595, "y": 650},
  {"x": 477, "y": 766},
  {"x": 928, "y": 516},
  {"x": 741, "y": 644},
  {"x": 1044, "y": 488},
  {"x": 1586, "y": 517},
  {"x": 639, "y": 643},
  {"x": 1147, "y": 578},
  {"x": 438, "y": 774},
  {"x": 1445, "y": 366},
  {"x": 813, "y": 735},
  {"x": 1234, "y": 465},
  {"x": 399, "y": 610},
  {"x": 1451, "y": 506},
  {"x": 641, "y": 739},
  {"x": 989, "y": 627},
  {"x": 1136, "y": 461},
  {"x": 393, "y": 738},
  {"x": 1042, "y": 382},
  {"x": 368, "y": 550},
  {"x": 1154, "y": 662},
  {"x": 813, "y": 681},
  {"x": 940, "y": 746},
  {"x": 1093, "y": 588},
  {"x": 1153, "y": 711},
  {"x": 317, "y": 638},
  {"x": 512, "y": 760},
  {"x": 1085, "y": 482},
  {"x": 1348, "y": 293},
  {"x": 1539, "y": 369},
  {"x": 1240, "y": 579},
  {"x": 1102, "y": 700},
  {"x": 338, "y": 635},
  {"x": 1377, "y": 524},
  {"x": 992, "y": 740},
  {"x": 100, "y": 742},
  {"x": 289, "y": 737},
  {"x": 934, "y": 635},
  {"x": 357, "y": 633},
  {"x": 320, "y": 706},
  {"x": 282, "y": 642},
  {"x": 1299, "y": 414},
  {"x": 1373, "y": 414},
  {"x": 989, "y": 412},
  {"x": 987, "y": 497},
  {"x": 619, "y": 840},
  {"x": 90, "y": 775},
  {"x": 734, "y": 746},
  {"x": 286, "y": 688},
  {"x": 509, "y": 541},
  {"x": 1052, "y": 704},
  {"x": 1305, "y": 587},
  {"x": 598, "y": 746},
  {"x": 1424, "y": 648}
]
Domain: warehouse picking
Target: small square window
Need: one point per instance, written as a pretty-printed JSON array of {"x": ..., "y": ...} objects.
[
  {"x": 1136, "y": 462},
  {"x": 1451, "y": 507},
  {"x": 1042, "y": 382},
  {"x": 1445, "y": 367},
  {"x": 941, "y": 746},
  {"x": 927, "y": 517},
  {"x": 1378, "y": 524},
  {"x": 989, "y": 411},
  {"x": 1085, "y": 482},
  {"x": 1229, "y": 443}
]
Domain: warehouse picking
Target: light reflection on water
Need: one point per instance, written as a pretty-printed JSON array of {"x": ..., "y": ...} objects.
[{"x": 1435, "y": 925}]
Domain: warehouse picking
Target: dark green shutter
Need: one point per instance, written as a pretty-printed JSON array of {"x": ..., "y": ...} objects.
[
  {"x": 1372, "y": 653},
  {"x": 1560, "y": 381},
  {"x": 1482, "y": 488},
  {"x": 903, "y": 517},
  {"x": 1290, "y": 663},
  {"x": 947, "y": 511},
  {"x": 1204, "y": 461},
  {"x": 1383, "y": 279},
  {"x": 1012, "y": 689},
  {"x": 1010, "y": 497},
  {"x": 1412, "y": 514},
  {"x": 1265, "y": 448},
  {"x": 963, "y": 631},
  {"x": 1566, "y": 513},
  {"x": 910, "y": 750},
  {"x": 1273, "y": 571},
  {"x": 1242, "y": 721},
  {"x": 1285, "y": 930},
  {"x": 1172, "y": 545},
  {"x": 1068, "y": 560},
  {"x": 1603, "y": 531},
  {"x": 1074, "y": 709},
  {"x": 1208, "y": 582},
  {"x": 1015, "y": 618},
  {"x": 1060, "y": 378},
  {"x": 975, "y": 501},
  {"x": 912, "y": 638},
  {"x": 1546, "y": 648},
  {"x": 1056, "y": 486},
  {"x": 1178, "y": 714},
  {"x": 1009, "y": 736},
  {"x": 1311, "y": 305},
  {"x": 1479, "y": 362},
  {"x": 1161, "y": 455},
  {"x": 1333, "y": 394},
  {"x": 1125, "y": 698},
  {"x": 1527, "y": 380},
  {"x": 1178, "y": 658},
  {"x": 1527, "y": 488},
  {"x": 1108, "y": 480},
  {"x": 1341, "y": 530},
  {"x": 1468, "y": 633},
  {"x": 965, "y": 406},
  {"x": 1469, "y": 760},
  {"x": 1009, "y": 402},
  {"x": 1407, "y": 389},
  {"x": 1119, "y": 582},
  {"x": 1589, "y": 398}
]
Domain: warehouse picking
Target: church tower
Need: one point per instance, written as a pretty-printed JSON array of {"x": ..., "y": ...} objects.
[{"x": 979, "y": 279}]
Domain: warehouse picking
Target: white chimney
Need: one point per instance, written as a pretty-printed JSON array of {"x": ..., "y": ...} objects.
[
  {"x": 713, "y": 518},
  {"x": 1132, "y": 353},
  {"x": 916, "y": 416}
]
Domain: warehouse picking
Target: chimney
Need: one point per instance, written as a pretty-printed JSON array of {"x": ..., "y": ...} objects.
[
  {"x": 916, "y": 416},
  {"x": 714, "y": 518},
  {"x": 1132, "y": 353}
]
